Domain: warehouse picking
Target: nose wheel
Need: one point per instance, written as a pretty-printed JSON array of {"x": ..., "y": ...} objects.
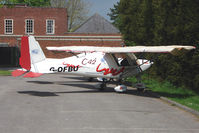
[{"x": 120, "y": 88}]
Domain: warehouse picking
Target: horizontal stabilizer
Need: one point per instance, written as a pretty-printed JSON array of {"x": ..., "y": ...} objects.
[
  {"x": 17, "y": 73},
  {"x": 32, "y": 75},
  {"x": 133, "y": 49}
]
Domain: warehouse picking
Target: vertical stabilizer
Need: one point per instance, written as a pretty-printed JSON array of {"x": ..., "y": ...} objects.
[{"x": 31, "y": 54}]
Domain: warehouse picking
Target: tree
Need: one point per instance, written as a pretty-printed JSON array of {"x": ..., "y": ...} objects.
[
  {"x": 37, "y": 3},
  {"x": 148, "y": 23},
  {"x": 58, "y": 3},
  {"x": 77, "y": 11},
  {"x": 114, "y": 14},
  {"x": 135, "y": 20},
  {"x": 1, "y": 3},
  {"x": 163, "y": 22},
  {"x": 7, "y": 2}
]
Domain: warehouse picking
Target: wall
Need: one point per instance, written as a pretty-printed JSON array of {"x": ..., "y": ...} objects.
[{"x": 19, "y": 14}]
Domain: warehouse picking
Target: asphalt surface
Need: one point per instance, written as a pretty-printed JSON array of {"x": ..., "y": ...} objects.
[{"x": 68, "y": 104}]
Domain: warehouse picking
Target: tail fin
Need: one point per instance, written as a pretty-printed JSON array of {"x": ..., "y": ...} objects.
[{"x": 31, "y": 53}]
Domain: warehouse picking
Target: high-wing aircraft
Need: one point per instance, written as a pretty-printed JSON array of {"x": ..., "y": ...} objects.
[{"x": 101, "y": 62}]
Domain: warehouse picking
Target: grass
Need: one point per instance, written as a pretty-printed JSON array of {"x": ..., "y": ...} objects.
[
  {"x": 180, "y": 95},
  {"x": 5, "y": 73}
]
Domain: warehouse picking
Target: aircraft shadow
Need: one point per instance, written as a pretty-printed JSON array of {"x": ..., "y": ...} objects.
[
  {"x": 91, "y": 86},
  {"x": 77, "y": 78},
  {"x": 52, "y": 94},
  {"x": 90, "y": 89},
  {"x": 38, "y": 93},
  {"x": 83, "y": 79},
  {"x": 40, "y": 82},
  {"x": 93, "y": 89}
]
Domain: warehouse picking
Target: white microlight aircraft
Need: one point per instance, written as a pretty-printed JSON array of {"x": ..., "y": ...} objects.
[{"x": 101, "y": 62}]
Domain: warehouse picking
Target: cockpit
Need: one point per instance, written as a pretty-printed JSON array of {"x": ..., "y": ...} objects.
[{"x": 127, "y": 59}]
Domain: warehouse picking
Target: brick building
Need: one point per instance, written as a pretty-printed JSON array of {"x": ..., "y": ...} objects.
[
  {"x": 32, "y": 20},
  {"x": 49, "y": 26}
]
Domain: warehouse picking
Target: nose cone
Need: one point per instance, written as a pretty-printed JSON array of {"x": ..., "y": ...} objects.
[{"x": 145, "y": 65}]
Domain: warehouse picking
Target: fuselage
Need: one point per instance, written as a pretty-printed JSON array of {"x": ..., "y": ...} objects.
[{"x": 96, "y": 64}]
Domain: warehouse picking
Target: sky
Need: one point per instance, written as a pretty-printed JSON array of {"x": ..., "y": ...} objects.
[{"x": 101, "y": 7}]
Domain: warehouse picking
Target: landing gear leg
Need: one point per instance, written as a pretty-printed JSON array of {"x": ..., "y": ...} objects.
[{"x": 102, "y": 85}]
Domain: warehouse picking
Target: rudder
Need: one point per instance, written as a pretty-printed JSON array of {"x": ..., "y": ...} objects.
[{"x": 24, "y": 60}]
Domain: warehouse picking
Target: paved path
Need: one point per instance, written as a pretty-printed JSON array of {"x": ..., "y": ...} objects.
[{"x": 67, "y": 104}]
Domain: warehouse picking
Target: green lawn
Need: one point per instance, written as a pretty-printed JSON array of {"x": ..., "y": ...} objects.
[
  {"x": 185, "y": 97},
  {"x": 5, "y": 73}
]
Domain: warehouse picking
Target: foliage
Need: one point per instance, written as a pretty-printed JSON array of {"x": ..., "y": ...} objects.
[
  {"x": 114, "y": 15},
  {"x": 163, "y": 22},
  {"x": 134, "y": 18},
  {"x": 37, "y": 3}
]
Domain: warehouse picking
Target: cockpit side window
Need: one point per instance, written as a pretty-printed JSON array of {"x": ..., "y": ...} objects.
[{"x": 125, "y": 62}]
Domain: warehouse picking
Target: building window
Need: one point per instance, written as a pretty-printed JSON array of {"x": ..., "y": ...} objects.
[
  {"x": 50, "y": 26},
  {"x": 8, "y": 23},
  {"x": 29, "y": 26}
]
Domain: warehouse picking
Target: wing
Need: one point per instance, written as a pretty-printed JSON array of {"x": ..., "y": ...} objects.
[{"x": 136, "y": 49}]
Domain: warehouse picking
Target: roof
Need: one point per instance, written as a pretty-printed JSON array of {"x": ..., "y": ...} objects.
[{"x": 97, "y": 24}]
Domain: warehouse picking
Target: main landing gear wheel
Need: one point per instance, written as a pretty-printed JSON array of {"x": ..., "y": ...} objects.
[{"x": 140, "y": 87}]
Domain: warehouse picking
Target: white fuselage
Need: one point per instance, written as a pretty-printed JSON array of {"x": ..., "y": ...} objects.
[{"x": 96, "y": 64}]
